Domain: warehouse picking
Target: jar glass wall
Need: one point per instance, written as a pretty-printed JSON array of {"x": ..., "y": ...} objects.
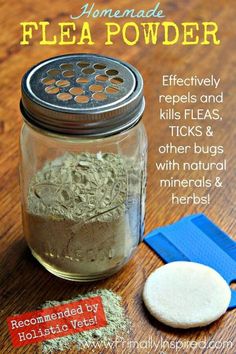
[{"x": 83, "y": 200}]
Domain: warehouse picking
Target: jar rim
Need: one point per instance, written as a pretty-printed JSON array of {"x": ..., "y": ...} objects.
[{"x": 61, "y": 135}]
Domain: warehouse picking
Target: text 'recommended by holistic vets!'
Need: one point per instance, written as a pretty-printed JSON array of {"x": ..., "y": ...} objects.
[
  {"x": 58, "y": 321},
  {"x": 191, "y": 120}
]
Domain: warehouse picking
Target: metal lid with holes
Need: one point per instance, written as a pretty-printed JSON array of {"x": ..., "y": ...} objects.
[{"x": 82, "y": 94}]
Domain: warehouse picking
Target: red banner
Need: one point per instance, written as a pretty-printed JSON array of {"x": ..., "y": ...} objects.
[{"x": 58, "y": 321}]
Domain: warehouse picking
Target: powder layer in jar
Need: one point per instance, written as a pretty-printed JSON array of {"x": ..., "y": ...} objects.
[{"x": 76, "y": 217}]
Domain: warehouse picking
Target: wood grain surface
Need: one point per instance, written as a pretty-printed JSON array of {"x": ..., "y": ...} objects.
[{"x": 24, "y": 284}]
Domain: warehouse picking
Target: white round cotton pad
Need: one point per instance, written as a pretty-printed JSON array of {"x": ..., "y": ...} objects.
[{"x": 186, "y": 294}]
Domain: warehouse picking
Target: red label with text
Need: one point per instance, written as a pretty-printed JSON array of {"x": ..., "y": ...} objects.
[{"x": 57, "y": 321}]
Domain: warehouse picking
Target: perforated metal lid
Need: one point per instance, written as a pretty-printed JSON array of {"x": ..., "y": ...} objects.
[{"x": 82, "y": 94}]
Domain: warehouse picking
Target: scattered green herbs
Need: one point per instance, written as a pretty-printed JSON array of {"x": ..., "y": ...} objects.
[{"x": 118, "y": 324}]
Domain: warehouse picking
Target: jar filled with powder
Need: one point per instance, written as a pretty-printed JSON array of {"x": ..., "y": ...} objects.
[{"x": 83, "y": 164}]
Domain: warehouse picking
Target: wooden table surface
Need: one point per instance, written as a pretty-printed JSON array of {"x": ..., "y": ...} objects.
[{"x": 24, "y": 284}]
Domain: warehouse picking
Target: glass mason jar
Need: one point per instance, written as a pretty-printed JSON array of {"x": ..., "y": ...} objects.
[{"x": 83, "y": 164}]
